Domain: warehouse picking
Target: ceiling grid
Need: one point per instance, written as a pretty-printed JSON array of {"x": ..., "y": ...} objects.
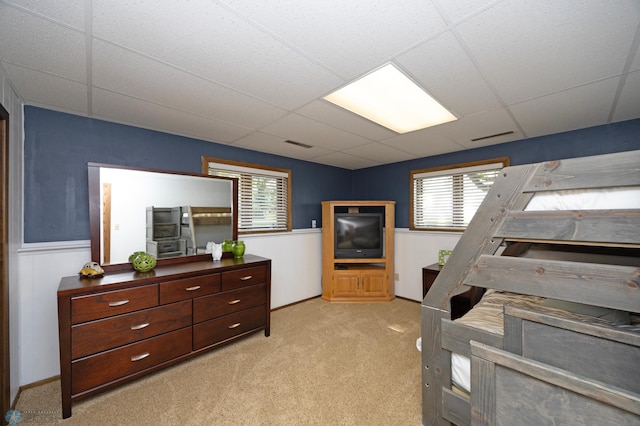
[{"x": 253, "y": 74}]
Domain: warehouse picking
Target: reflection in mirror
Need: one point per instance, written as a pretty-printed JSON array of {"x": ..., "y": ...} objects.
[{"x": 166, "y": 214}]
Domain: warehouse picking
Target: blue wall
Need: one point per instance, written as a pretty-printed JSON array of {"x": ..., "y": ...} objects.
[{"x": 58, "y": 146}]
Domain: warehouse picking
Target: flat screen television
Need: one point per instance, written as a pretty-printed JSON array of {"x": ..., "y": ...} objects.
[{"x": 358, "y": 235}]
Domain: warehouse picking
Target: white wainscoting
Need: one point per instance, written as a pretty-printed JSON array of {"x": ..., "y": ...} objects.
[
  {"x": 296, "y": 268},
  {"x": 414, "y": 251},
  {"x": 295, "y": 275},
  {"x": 40, "y": 267}
]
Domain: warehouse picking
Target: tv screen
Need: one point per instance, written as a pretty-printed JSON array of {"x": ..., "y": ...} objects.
[{"x": 358, "y": 235}]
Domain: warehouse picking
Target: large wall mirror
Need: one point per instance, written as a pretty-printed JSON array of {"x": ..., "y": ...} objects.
[{"x": 170, "y": 215}]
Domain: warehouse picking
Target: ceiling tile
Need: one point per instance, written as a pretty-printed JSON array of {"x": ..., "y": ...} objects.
[
  {"x": 423, "y": 143},
  {"x": 119, "y": 70},
  {"x": 379, "y": 153},
  {"x": 217, "y": 45},
  {"x": 335, "y": 116},
  {"x": 444, "y": 69},
  {"x": 47, "y": 47},
  {"x": 567, "y": 43},
  {"x": 459, "y": 9},
  {"x": 127, "y": 110},
  {"x": 628, "y": 106},
  {"x": 346, "y": 161},
  {"x": 479, "y": 126},
  {"x": 557, "y": 112},
  {"x": 635, "y": 65},
  {"x": 304, "y": 130},
  {"x": 68, "y": 12},
  {"x": 351, "y": 37},
  {"x": 47, "y": 90},
  {"x": 263, "y": 142}
]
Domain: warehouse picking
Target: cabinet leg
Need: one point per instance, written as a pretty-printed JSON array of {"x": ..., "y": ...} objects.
[
  {"x": 66, "y": 410},
  {"x": 65, "y": 391}
]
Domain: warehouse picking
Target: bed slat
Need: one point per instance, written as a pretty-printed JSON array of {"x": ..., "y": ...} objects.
[
  {"x": 600, "y": 171},
  {"x": 610, "y": 286},
  {"x": 483, "y": 395},
  {"x": 591, "y": 227},
  {"x": 456, "y": 336},
  {"x": 455, "y": 408}
]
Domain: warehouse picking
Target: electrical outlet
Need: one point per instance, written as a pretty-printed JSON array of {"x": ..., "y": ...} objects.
[{"x": 396, "y": 276}]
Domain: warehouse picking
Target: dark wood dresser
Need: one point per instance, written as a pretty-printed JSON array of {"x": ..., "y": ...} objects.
[{"x": 128, "y": 324}]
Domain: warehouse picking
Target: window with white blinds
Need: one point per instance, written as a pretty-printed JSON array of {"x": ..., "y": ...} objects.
[
  {"x": 263, "y": 195},
  {"x": 447, "y": 198}
]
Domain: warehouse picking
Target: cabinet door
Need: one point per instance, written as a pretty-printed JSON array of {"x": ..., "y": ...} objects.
[
  {"x": 345, "y": 284},
  {"x": 373, "y": 283}
]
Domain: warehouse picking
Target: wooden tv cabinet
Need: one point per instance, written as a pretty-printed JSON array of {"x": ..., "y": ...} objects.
[
  {"x": 358, "y": 279},
  {"x": 128, "y": 324}
]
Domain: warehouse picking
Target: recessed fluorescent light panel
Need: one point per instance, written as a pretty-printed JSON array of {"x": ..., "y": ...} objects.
[{"x": 390, "y": 98}]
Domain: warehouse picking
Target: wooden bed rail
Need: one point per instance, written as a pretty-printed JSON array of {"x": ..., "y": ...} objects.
[
  {"x": 606, "y": 353},
  {"x": 610, "y": 228},
  {"x": 598, "y": 171},
  {"x": 611, "y": 286},
  {"x": 565, "y": 397}
]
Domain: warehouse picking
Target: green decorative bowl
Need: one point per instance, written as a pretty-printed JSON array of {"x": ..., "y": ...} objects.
[{"x": 142, "y": 262}]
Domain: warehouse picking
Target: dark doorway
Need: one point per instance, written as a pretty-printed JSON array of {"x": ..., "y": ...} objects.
[{"x": 5, "y": 375}]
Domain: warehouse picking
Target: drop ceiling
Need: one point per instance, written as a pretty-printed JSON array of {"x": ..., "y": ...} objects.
[{"x": 252, "y": 74}]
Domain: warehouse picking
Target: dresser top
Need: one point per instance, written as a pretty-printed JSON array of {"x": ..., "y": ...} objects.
[{"x": 77, "y": 284}]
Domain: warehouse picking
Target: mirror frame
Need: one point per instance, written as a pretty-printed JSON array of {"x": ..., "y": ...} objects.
[{"x": 95, "y": 219}]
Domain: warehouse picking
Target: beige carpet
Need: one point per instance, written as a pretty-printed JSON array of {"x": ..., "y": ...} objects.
[{"x": 324, "y": 364}]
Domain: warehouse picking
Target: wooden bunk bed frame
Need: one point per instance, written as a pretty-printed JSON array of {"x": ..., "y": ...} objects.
[{"x": 502, "y": 221}]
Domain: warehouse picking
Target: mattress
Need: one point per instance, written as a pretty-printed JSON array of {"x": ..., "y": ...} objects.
[
  {"x": 486, "y": 315},
  {"x": 594, "y": 199}
]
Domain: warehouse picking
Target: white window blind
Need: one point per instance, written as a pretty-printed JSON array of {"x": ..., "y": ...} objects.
[
  {"x": 263, "y": 196},
  {"x": 449, "y": 198}
]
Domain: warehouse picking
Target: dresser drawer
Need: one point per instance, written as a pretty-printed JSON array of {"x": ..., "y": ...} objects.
[
  {"x": 96, "y": 336},
  {"x": 220, "y": 304},
  {"x": 243, "y": 277},
  {"x": 102, "y": 305},
  {"x": 103, "y": 368},
  {"x": 188, "y": 288},
  {"x": 216, "y": 330}
]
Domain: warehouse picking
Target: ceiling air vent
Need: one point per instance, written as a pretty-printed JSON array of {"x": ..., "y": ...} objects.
[
  {"x": 300, "y": 144},
  {"x": 492, "y": 136}
]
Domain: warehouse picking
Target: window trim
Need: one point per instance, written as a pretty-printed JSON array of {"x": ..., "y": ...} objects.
[
  {"x": 247, "y": 167},
  {"x": 443, "y": 171}
]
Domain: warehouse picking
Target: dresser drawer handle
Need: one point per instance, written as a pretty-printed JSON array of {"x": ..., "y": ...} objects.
[
  {"x": 140, "y": 326},
  {"x": 248, "y": 277},
  {"x": 194, "y": 288},
  {"x": 118, "y": 303},
  {"x": 234, "y": 325},
  {"x": 233, "y": 302},
  {"x": 139, "y": 357}
]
